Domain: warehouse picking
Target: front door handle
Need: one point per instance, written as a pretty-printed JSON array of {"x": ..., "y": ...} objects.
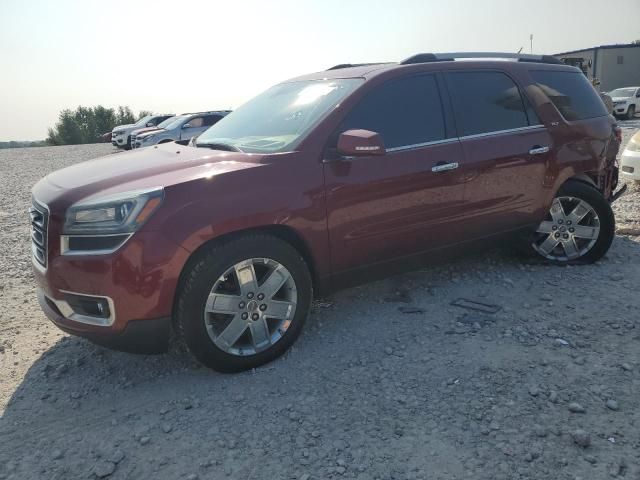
[
  {"x": 443, "y": 167},
  {"x": 538, "y": 150}
]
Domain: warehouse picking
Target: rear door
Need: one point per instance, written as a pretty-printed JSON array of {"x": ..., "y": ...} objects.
[
  {"x": 506, "y": 152},
  {"x": 383, "y": 207}
]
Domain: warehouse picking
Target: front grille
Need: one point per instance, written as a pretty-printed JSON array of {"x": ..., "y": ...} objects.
[{"x": 39, "y": 224}]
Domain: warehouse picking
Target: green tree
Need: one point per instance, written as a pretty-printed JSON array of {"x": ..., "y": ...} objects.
[
  {"x": 144, "y": 113},
  {"x": 88, "y": 124}
]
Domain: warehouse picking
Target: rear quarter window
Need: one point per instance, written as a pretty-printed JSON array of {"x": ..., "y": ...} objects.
[{"x": 571, "y": 93}]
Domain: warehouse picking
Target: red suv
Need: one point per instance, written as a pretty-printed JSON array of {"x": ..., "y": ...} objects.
[{"x": 311, "y": 185}]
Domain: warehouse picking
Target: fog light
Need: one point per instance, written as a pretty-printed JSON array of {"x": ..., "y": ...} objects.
[{"x": 89, "y": 306}]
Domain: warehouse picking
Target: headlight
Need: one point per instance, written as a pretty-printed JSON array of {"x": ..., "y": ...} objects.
[
  {"x": 633, "y": 145},
  {"x": 121, "y": 213}
]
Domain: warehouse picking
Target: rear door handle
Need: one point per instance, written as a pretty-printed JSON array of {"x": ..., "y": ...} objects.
[
  {"x": 443, "y": 167},
  {"x": 538, "y": 150}
]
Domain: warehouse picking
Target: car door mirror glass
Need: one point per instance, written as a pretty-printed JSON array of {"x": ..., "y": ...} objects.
[
  {"x": 150, "y": 124},
  {"x": 360, "y": 143},
  {"x": 186, "y": 125}
]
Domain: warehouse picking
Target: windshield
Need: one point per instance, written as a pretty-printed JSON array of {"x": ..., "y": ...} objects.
[
  {"x": 144, "y": 120},
  {"x": 166, "y": 122},
  {"x": 173, "y": 122},
  {"x": 277, "y": 119},
  {"x": 623, "y": 92}
]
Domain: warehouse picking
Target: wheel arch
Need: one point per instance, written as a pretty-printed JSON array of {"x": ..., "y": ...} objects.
[{"x": 282, "y": 232}]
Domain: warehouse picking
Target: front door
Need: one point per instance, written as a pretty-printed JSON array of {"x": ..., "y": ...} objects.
[{"x": 395, "y": 205}]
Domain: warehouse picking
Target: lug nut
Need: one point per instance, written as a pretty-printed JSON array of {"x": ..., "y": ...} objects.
[
  {"x": 261, "y": 296},
  {"x": 557, "y": 235},
  {"x": 263, "y": 307},
  {"x": 245, "y": 315},
  {"x": 255, "y": 317},
  {"x": 242, "y": 305},
  {"x": 554, "y": 228},
  {"x": 572, "y": 229},
  {"x": 250, "y": 295}
]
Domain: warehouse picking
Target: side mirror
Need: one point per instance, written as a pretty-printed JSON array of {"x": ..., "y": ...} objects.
[
  {"x": 638, "y": 95},
  {"x": 150, "y": 124},
  {"x": 360, "y": 143},
  {"x": 186, "y": 125}
]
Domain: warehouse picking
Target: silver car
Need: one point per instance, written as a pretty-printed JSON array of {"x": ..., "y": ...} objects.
[{"x": 180, "y": 128}]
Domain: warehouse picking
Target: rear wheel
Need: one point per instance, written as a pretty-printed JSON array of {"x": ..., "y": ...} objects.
[
  {"x": 631, "y": 113},
  {"x": 579, "y": 227},
  {"x": 243, "y": 303}
]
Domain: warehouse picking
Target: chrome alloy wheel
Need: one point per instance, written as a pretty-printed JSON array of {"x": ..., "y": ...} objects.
[
  {"x": 250, "y": 306},
  {"x": 570, "y": 230}
]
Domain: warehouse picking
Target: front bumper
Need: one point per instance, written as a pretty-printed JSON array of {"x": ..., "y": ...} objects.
[
  {"x": 119, "y": 141},
  {"x": 630, "y": 165},
  {"x": 139, "y": 336},
  {"x": 138, "y": 283},
  {"x": 621, "y": 109}
]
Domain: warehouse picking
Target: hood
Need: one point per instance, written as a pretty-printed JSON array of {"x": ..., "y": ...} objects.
[
  {"x": 149, "y": 132},
  {"x": 161, "y": 165},
  {"x": 139, "y": 131},
  {"x": 122, "y": 128}
]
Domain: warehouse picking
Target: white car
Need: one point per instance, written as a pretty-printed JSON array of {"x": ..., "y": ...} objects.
[
  {"x": 121, "y": 135},
  {"x": 630, "y": 162},
  {"x": 626, "y": 101}
]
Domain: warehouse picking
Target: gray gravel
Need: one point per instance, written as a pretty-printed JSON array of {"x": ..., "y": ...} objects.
[{"x": 388, "y": 381}]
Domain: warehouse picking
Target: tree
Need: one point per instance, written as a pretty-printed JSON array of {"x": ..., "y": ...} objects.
[
  {"x": 88, "y": 124},
  {"x": 144, "y": 113}
]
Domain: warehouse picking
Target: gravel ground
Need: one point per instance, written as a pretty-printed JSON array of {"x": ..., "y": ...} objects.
[{"x": 388, "y": 381}]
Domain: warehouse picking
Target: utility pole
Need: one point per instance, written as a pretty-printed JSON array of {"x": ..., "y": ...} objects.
[{"x": 531, "y": 40}]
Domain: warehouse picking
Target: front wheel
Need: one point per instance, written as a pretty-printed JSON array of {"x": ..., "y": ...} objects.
[
  {"x": 579, "y": 227},
  {"x": 631, "y": 113},
  {"x": 243, "y": 303}
]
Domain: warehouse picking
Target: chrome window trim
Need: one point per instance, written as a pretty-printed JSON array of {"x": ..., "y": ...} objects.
[
  {"x": 68, "y": 313},
  {"x": 64, "y": 245},
  {"x": 501, "y": 132},
  {"x": 425, "y": 144},
  {"x": 465, "y": 137}
]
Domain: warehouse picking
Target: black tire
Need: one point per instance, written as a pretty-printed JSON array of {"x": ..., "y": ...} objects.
[
  {"x": 200, "y": 275},
  {"x": 593, "y": 197},
  {"x": 127, "y": 146},
  {"x": 631, "y": 113}
]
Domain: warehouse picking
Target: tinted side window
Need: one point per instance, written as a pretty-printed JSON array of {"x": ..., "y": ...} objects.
[
  {"x": 211, "y": 120},
  {"x": 404, "y": 112},
  {"x": 486, "y": 102},
  {"x": 196, "y": 122},
  {"x": 571, "y": 93}
]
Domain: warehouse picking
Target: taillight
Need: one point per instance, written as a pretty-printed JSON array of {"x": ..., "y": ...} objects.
[{"x": 618, "y": 132}]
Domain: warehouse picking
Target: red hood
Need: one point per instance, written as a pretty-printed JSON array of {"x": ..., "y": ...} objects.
[{"x": 162, "y": 165}]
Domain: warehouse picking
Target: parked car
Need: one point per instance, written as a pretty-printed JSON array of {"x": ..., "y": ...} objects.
[
  {"x": 121, "y": 135},
  {"x": 630, "y": 160},
  {"x": 319, "y": 182},
  {"x": 142, "y": 130},
  {"x": 105, "y": 137},
  {"x": 626, "y": 101},
  {"x": 180, "y": 128}
]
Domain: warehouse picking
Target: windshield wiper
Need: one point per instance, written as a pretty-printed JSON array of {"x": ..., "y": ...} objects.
[{"x": 220, "y": 146}]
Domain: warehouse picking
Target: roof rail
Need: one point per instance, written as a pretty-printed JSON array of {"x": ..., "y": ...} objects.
[
  {"x": 349, "y": 65},
  {"x": 448, "y": 57}
]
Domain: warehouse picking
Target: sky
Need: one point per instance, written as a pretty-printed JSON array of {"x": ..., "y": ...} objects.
[{"x": 177, "y": 56}]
